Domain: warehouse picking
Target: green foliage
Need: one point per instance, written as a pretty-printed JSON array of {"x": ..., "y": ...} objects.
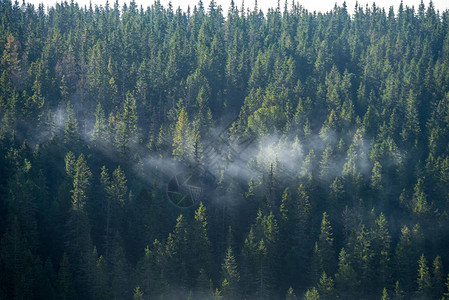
[
  {"x": 290, "y": 294},
  {"x": 325, "y": 244},
  {"x": 398, "y": 293},
  {"x": 350, "y": 106},
  {"x": 326, "y": 287},
  {"x": 183, "y": 139},
  {"x": 72, "y": 137},
  {"x": 100, "y": 278},
  {"x": 115, "y": 192},
  {"x": 230, "y": 276},
  {"x": 138, "y": 294},
  {"x": 346, "y": 279},
  {"x": 312, "y": 294},
  {"x": 423, "y": 280},
  {"x": 419, "y": 200},
  {"x": 267, "y": 120},
  {"x": 384, "y": 295},
  {"x": 100, "y": 132},
  {"x": 446, "y": 293},
  {"x": 81, "y": 183},
  {"x": 381, "y": 247},
  {"x": 437, "y": 278},
  {"x": 127, "y": 131}
]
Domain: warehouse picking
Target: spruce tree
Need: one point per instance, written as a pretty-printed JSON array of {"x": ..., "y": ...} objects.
[
  {"x": 72, "y": 136},
  {"x": 437, "y": 278},
  {"x": 424, "y": 281},
  {"x": 326, "y": 245},
  {"x": 230, "y": 276},
  {"x": 182, "y": 140}
]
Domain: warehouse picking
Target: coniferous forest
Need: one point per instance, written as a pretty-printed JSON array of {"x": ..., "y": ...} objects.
[{"x": 155, "y": 153}]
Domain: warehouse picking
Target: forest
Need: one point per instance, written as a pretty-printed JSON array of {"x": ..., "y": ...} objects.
[{"x": 156, "y": 153}]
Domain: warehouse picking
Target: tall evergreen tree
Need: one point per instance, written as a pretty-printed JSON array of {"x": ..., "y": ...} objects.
[
  {"x": 182, "y": 140},
  {"x": 326, "y": 245},
  {"x": 424, "y": 289},
  {"x": 72, "y": 136},
  {"x": 230, "y": 276}
]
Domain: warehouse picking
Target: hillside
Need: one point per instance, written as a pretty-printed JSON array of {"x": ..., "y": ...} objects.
[{"x": 152, "y": 153}]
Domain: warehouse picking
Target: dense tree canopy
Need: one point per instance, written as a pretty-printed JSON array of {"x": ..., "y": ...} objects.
[{"x": 330, "y": 181}]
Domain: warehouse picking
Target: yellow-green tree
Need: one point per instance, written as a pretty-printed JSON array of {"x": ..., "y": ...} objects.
[{"x": 182, "y": 140}]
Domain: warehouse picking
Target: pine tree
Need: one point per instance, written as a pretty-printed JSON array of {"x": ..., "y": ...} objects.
[
  {"x": 100, "y": 136},
  {"x": 182, "y": 140},
  {"x": 290, "y": 294},
  {"x": 108, "y": 207},
  {"x": 200, "y": 244},
  {"x": 326, "y": 287},
  {"x": 316, "y": 265},
  {"x": 326, "y": 245},
  {"x": 230, "y": 276},
  {"x": 249, "y": 260},
  {"x": 419, "y": 200},
  {"x": 381, "y": 250},
  {"x": 100, "y": 288},
  {"x": 78, "y": 241},
  {"x": 81, "y": 183},
  {"x": 336, "y": 198},
  {"x": 127, "y": 132},
  {"x": 263, "y": 282},
  {"x": 437, "y": 278},
  {"x": 312, "y": 294},
  {"x": 329, "y": 127},
  {"x": 290, "y": 239},
  {"x": 266, "y": 257},
  {"x": 11, "y": 60},
  {"x": 424, "y": 282},
  {"x": 115, "y": 196},
  {"x": 204, "y": 116},
  {"x": 346, "y": 279},
  {"x": 150, "y": 268},
  {"x": 119, "y": 270},
  {"x": 376, "y": 177},
  {"x": 197, "y": 149},
  {"x": 176, "y": 248},
  {"x": 286, "y": 206},
  {"x": 446, "y": 293},
  {"x": 70, "y": 162},
  {"x": 118, "y": 186},
  {"x": 72, "y": 136},
  {"x": 326, "y": 163},
  {"x": 411, "y": 130},
  {"x": 305, "y": 213},
  {"x": 363, "y": 255},
  {"x": 138, "y": 294},
  {"x": 398, "y": 293},
  {"x": 384, "y": 295},
  {"x": 289, "y": 219},
  {"x": 308, "y": 168}
]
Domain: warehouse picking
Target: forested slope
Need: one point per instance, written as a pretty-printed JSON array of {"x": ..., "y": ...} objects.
[{"x": 341, "y": 191}]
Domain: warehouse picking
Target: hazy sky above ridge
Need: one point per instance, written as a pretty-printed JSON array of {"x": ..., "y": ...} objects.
[{"x": 317, "y": 5}]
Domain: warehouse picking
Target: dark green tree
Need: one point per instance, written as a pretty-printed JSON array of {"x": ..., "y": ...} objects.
[
  {"x": 230, "y": 276},
  {"x": 72, "y": 136},
  {"x": 424, "y": 289}
]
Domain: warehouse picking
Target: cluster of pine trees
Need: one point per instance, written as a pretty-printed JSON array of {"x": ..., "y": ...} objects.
[{"x": 345, "y": 194}]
